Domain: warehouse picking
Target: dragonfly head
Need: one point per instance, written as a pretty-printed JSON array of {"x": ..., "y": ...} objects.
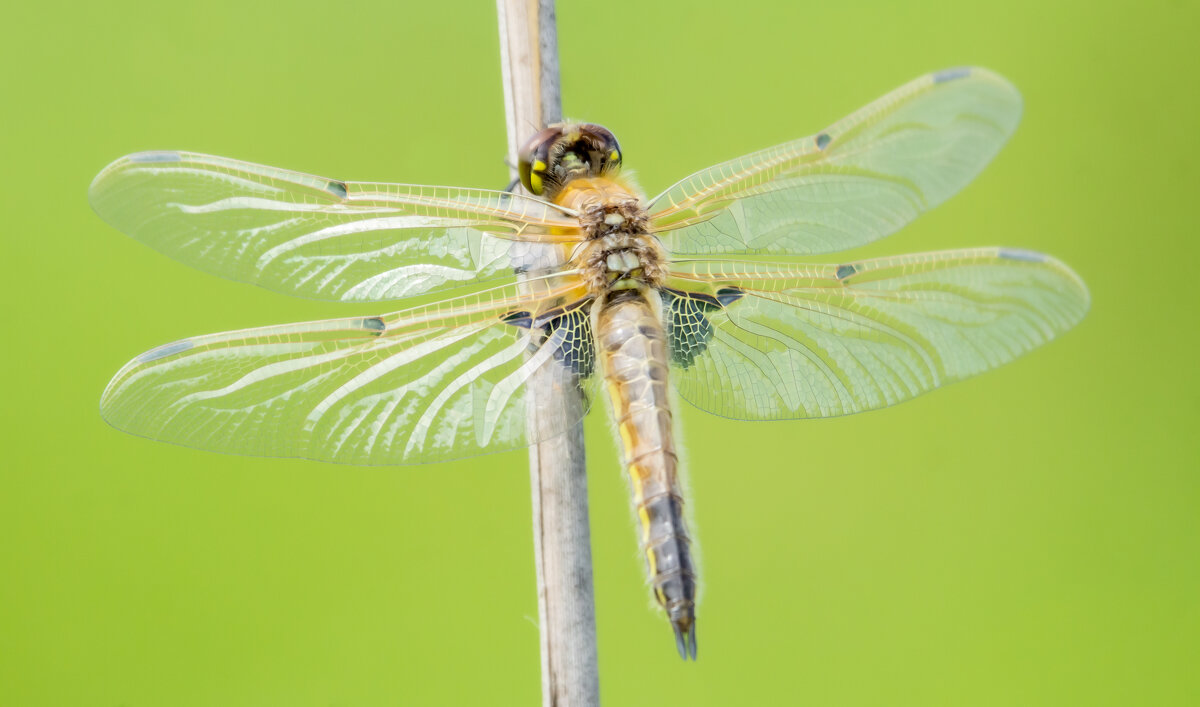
[{"x": 566, "y": 151}]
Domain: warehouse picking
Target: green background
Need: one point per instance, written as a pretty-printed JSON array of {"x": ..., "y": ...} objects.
[{"x": 1027, "y": 537}]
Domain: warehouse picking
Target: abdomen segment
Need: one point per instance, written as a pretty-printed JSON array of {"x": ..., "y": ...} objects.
[{"x": 633, "y": 348}]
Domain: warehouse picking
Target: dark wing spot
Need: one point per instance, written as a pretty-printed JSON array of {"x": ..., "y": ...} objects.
[
  {"x": 707, "y": 301},
  {"x": 338, "y": 189},
  {"x": 568, "y": 329},
  {"x": 165, "y": 350},
  {"x": 1028, "y": 256},
  {"x": 687, "y": 327},
  {"x": 845, "y": 271},
  {"x": 373, "y": 324},
  {"x": 951, "y": 74},
  {"x": 160, "y": 156},
  {"x": 572, "y": 330},
  {"x": 728, "y": 295},
  {"x": 550, "y": 315},
  {"x": 823, "y": 141},
  {"x": 521, "y": 319},
  {"x": 687, "y": 323}
]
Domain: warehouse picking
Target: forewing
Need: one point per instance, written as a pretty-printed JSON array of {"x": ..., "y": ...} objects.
[
  {"x": 425, "y": 384},
  {"x": 859, "y": 180},
  {"x": 316, "y": 237},
  {"x": 773, "y": 341}
]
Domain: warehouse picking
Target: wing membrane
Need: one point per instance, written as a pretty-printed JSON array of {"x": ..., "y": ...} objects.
[
  {"x": 316, "y": 237},
  {"x": 784, "y": 341},
  {"x": 424, "y": 384},
  {"x": 859, "y": 180}
]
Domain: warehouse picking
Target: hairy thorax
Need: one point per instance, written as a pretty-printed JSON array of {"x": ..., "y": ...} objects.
[{"x": 619, "y": 253}]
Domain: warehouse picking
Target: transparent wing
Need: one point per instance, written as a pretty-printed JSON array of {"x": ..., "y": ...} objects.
[
  {"x": 771, "y": 341},
  {"x": 857, "y": 181},
  {"x": 316, "y": 237},
  {"x": 425, "y": 384}
]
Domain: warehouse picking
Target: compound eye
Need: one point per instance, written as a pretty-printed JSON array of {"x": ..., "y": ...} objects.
[
  {"x": 533, "y": 162},
  {"x": 605, "y": 152}
]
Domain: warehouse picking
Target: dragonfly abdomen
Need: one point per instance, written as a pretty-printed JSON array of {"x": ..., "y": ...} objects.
[{"x": 633, "y": 348}]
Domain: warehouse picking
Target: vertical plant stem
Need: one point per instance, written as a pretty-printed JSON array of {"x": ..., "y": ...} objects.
[{"x": 557, "y": 470}]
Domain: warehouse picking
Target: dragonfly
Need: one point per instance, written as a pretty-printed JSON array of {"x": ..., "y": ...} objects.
[{"x": 584, "y": 282}]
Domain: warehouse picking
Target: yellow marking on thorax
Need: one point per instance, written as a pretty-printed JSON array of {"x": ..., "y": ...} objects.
[{"x": 589, "y": 190}]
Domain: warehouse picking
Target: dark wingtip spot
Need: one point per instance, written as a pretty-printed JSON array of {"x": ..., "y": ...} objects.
[
  {"x": 845, "y": 271},
  {"x": 165, "y": 350},
  {"x": 1028, "y": 256},
  {"x": 823, "y": 141},
  {"x": 338, "y": 189},
  {"x": 160, "y": 156},
  {"x": 374, "y": 324},
  {"x": 951, "y": 74},
  {"x": 521, "y": 319}
]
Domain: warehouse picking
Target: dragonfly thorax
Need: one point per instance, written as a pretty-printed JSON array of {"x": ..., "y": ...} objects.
[
  {"x": 618, "y": 251},
  {"x": 607, "y": 217},
  {"x": 620, "y": 261}
]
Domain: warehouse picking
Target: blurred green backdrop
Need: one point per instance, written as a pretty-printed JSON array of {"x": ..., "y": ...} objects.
[{"x": 1027, "y": 537}]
